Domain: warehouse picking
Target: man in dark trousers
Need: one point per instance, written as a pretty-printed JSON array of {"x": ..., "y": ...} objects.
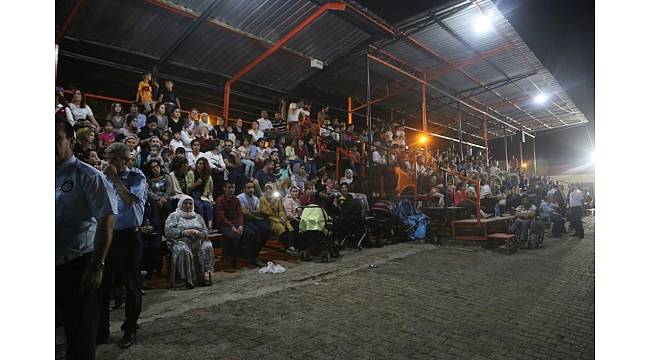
[
  {"x": 85, "y": 208},
  {"x": 125, "y": 254},
  {"x": 576, "y": 200}
]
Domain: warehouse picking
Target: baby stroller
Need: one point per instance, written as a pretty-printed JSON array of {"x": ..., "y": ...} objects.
[
  {"x": 412, "y": 224},
  {"x": 349, "y": 225},
  {"x": 316, "y": 229},
  {"x": 382, "y": 222}
]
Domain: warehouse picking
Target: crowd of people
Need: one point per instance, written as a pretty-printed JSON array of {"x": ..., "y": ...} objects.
[{"x": 184, "y": 175}]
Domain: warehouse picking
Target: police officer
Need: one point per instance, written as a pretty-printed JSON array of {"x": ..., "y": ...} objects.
[
  {"x": 125, "y": 255},
  {"x": 85, "y": 208}
]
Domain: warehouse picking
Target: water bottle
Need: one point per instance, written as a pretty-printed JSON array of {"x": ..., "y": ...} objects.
[{"x": 497, "y": 210}]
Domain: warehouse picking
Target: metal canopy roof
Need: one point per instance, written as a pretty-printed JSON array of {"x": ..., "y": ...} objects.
[{"x": 495, "y": 71}]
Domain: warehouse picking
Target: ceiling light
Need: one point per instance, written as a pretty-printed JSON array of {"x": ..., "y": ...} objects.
[
  {"x": 482, "y": 24},
  {"x": 541, "y": 98}
]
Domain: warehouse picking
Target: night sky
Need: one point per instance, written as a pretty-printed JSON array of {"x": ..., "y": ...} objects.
[{"x": 561, "y": 34}]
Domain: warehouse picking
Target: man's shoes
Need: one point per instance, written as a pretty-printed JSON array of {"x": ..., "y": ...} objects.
[{"x": 126, "y": 340}]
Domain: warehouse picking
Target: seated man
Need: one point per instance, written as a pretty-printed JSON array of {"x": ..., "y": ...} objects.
[
  {"x": 254, "y": 222},
  {"x": 549, "y": 213},
  {"x": 230, "y": 221},
  {"x": 525, "y": 214}
]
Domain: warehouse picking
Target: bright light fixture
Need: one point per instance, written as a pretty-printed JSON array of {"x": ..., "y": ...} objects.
[
  {"x": 541, "y": 98},
  {"x": 423, "y": 139},
  {"x": 482, "y": 24}
]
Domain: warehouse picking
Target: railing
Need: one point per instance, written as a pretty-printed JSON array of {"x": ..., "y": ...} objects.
[{"x": 477, "y": 187}]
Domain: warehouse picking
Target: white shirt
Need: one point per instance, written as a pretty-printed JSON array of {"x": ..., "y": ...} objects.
[
  {"x": 292, "y": 116},
  {"x": 175, "y": 144},
  {"x": 485, "y": 190},
  {"x": 377, "y": 158},
  {"x": 551, "y": 192},
  {"x": 575, "y": 198},
  {"x": 191, "y": 158},
  {"x": 256, "y": 135},
  {"x": 215, "y": 160},
  {"x": 265, "y": 124},
  {"x": 80, "y": 113}
]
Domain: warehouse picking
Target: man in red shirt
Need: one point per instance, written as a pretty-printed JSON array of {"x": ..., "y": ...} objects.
[{"x": 230, "y": 221}]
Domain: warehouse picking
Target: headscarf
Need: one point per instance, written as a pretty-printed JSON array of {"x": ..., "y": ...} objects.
[
  {"x": 348, "y": 178},
  {"x": 179, "y": 210},
  {"x": 288, "y": 195}
]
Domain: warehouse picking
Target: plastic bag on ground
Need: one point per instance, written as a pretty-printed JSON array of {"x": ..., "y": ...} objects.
[{"x": 272, "y": 268}]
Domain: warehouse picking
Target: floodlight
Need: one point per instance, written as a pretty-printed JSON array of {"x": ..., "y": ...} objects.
[
  {"x": 482, "y": 24},
  {"x": 524, "y": 165},
  {"x": 541, "y": 98},
  {"x": 423, "y": 139}
]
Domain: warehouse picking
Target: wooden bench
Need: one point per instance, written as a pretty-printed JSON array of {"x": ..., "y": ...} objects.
[{"x": 509, "y": 240}]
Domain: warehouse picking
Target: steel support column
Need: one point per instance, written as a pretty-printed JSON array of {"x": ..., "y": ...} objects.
[
  {"x": 485, "y": 141},
  {"x": 290, "y": 35},
  {"x": 349, "y": 110},
  {"x": 369, "y": 121},
  {"x": 534, "y": 158},
  {"x": 475, "y": 108},
  {"x": 460, "y": 133},
  {"x": 424, "y": 107},
  {"x": 505, "y": 144}
]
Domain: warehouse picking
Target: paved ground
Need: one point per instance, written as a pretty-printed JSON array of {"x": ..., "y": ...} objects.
[{"x": 420, "y": 302}]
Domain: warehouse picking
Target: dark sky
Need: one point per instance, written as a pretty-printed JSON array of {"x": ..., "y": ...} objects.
[{"x": 561, "y": 34}]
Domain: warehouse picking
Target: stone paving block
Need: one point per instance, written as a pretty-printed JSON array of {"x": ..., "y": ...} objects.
[{"x": 433, "y": 303}]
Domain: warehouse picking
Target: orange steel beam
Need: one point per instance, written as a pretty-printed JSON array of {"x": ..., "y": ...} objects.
[
  {"x": 125, "y": 101},
  {"x": 485, "y": 139},
  {"x": 477, "y": 187},
  {"x": 388, "y": 94},
  {"x": 218, "y": 25},
  {"x": 397, "y": 59},
  {"x": 424, "y": 106},
  {"x": 69, "y": 20},
  {"x": 372, "y": 20},
  {"x": 470, "y": 77},
  {"x": 290, "y": 35},
  {"x": 448, "y": 69},
  {"x": 350, "y": 110}
]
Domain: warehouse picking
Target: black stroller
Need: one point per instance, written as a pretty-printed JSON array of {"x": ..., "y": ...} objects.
[
  {"x": 382, "y": 223},
  {"x": 349, "y": 225}
]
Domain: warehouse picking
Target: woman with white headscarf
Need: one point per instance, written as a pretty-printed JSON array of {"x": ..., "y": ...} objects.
[
  {"x": 192, "y": 252},
  {"x": 352, "y": 186}
]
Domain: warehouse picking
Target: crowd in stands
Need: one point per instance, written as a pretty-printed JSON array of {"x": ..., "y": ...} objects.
[{"x": 249, "y": 180}]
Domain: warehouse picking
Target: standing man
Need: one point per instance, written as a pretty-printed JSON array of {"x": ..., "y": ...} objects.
[
  {"x": 575, "y": 211},
  {"x": 85, "y": 208},
  {"x": 264, "y": 122},
  {"x": 125, "y": 254}
]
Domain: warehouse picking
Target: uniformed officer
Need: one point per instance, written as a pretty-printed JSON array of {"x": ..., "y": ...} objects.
[
  {"x": 125, "y": 254},
  {"x": 85, "y": 208}
]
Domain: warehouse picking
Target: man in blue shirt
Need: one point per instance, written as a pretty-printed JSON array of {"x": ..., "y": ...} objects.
[
  {"x": 549, "y": 213},
  {"x": 85, "y": 208},
  {"x": 255, "y": 225},
  {"x": 125, "y": 254}
]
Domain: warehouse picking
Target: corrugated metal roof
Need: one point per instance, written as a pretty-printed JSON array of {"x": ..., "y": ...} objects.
[
  {"x": 239, "y": 31},
  {"x": 455, "y": 39}
]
